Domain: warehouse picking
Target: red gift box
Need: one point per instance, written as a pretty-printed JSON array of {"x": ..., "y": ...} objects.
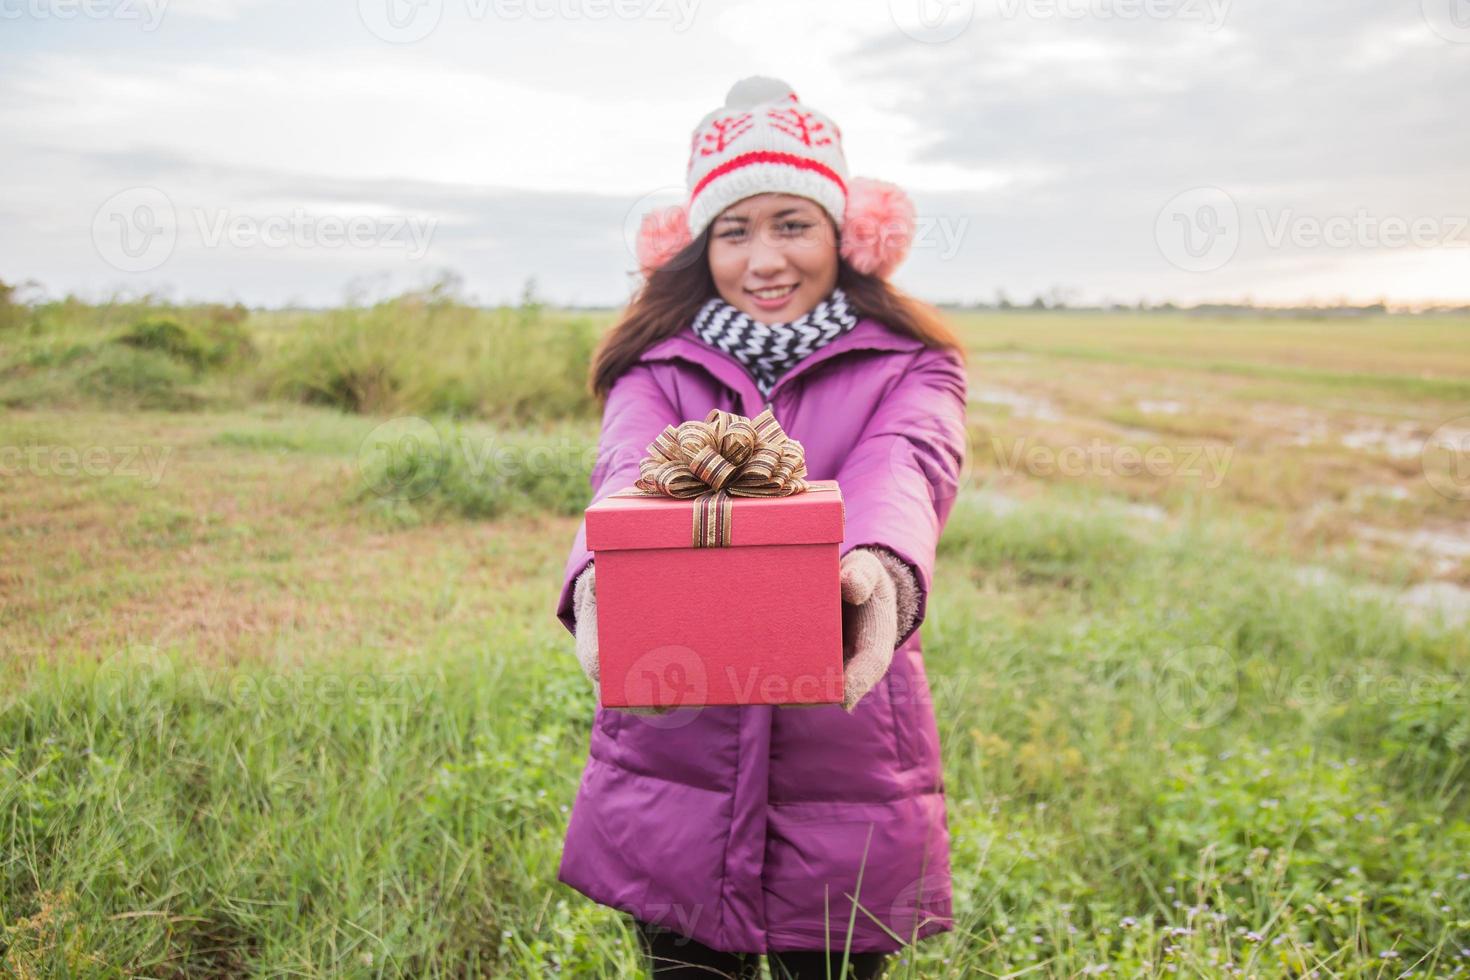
[{"x": 756, "y": 619}]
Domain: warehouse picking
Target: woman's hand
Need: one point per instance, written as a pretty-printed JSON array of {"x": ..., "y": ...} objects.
[
  {"x": 584, "y": 602},
  {"x": 869, "y": 623}
]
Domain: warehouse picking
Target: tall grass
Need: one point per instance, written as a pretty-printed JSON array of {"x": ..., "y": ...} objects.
[
  {"x": 425, "y": 352},
  {"x": 415, "y": 470},
  {"x": 376, "y": 815},
  {"x": 429, "y": 354},
  {"x": 1151, "y": 766},
  {"x": 142, "y": 353}
]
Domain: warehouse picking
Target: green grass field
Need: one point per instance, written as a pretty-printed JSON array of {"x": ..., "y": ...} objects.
[{"x": 274, "y": 703}]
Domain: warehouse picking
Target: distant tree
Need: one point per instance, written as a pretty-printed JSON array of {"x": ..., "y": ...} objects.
[
  {"x": 529, "y": 311},
  {"x": 12, "y": 313},
  {"x": 528, "y": 293}
]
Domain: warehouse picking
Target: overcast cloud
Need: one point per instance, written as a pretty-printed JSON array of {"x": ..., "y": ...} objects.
[{"x": 1100, "y": 150}]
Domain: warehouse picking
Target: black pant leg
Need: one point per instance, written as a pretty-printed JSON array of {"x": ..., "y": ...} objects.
[
  {"x": 814, "y": 965},
  {"x": 673, "y": 956}
]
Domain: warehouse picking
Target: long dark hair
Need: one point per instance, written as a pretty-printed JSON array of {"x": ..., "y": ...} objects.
[{"x": 671, "y": 295}]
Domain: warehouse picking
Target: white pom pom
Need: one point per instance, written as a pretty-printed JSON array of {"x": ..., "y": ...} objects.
[{"x": 757, "y": 90}]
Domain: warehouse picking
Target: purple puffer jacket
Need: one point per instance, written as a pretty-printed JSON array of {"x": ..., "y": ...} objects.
[{"x": 747, "y": 828}]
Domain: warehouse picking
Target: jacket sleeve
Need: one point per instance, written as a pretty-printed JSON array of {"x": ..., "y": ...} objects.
[
  {"x": 900, "y": 481},
  {"x": 637, "y": 410}
]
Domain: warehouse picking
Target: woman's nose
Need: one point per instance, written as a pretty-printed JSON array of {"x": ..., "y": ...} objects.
[{"x": 766, "y": 255}]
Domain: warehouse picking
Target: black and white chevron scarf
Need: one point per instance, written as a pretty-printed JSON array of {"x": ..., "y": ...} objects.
[{"x": 769, "y": 350}]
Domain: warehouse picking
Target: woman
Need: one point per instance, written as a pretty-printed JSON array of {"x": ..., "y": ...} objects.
[{"x": 727, "y": 832}]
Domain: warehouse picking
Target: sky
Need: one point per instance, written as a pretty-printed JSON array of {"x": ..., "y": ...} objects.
[{"x": 1090, "y": 151}]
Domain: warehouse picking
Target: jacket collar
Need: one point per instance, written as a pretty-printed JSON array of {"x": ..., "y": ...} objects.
[{"x": 686, "y": 346}]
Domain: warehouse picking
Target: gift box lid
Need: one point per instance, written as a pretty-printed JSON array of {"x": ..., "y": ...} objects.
[{"x": 630, "y": 519}]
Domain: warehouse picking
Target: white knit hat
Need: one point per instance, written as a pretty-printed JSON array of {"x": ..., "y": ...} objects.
[{"x": 764, "y": 140}]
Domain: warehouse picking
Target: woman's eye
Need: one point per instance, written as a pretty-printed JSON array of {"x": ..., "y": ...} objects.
[{"x": 784, "y": 228}]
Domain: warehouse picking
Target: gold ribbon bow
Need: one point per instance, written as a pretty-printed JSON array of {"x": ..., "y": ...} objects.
[
  {"x": 729, "y": 452},
  {"x": 723, "y": 457}
]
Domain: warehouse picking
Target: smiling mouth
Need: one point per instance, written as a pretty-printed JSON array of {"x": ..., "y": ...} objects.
[{"x": 774, "y": 292}]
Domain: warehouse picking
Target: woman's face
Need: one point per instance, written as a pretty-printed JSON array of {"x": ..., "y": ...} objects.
[{"x": 773, "y": 256}]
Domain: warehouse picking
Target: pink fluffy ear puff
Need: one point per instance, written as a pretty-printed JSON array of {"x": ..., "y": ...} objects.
[
  {"x": 877, "y": 226},
  {"x": 662, "y": 235}
]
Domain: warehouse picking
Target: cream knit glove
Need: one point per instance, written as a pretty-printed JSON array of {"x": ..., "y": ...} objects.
[
  {"x": 905, "y": 587},
  {"x": 880, "y": 600},
  {"x": 584, "y": 602}
]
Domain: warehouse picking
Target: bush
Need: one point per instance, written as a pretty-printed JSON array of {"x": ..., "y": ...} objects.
[
  {"x": 166, "y": 337},
  {"x": 226, "y": 341},
  {"x": 12, "y": 314},
  {"x": 138, "y": 378},
  {"x": 429, "y": 355},
  {"x": 416, "y": 469}
]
